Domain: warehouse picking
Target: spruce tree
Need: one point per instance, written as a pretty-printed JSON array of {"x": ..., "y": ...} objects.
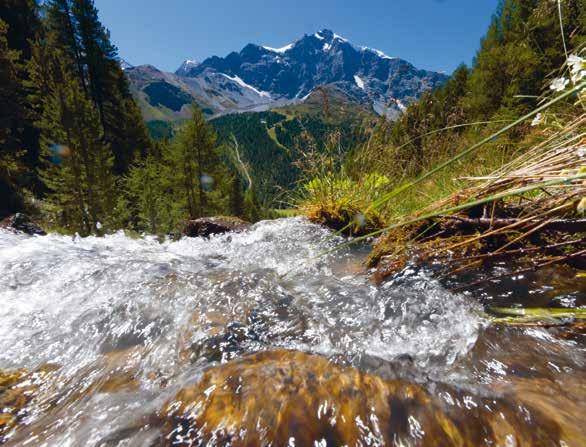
[
  {"x": 123, "y": 126},
  {"x": 10, "y": 115},
  {"x": 78, "y": 164},
  {"x": 196, "y": 164}
]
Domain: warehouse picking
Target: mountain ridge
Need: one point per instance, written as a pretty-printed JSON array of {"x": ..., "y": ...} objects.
[{"x": 262, "y": 77}]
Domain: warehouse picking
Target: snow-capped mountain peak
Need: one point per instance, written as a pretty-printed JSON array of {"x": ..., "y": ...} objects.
[
  {"x": 186, "y": 66},
  {"x": 265, "y": 76},
  {"x": 329, "y": 35}
]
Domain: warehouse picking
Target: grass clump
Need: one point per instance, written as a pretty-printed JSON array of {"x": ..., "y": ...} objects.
[{"x": 342, "y": 203}]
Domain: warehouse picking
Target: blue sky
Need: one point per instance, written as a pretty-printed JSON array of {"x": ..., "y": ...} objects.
[{"x": 432, "y": 34}]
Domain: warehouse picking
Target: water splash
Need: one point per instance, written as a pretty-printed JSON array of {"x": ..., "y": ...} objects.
[{"x": 141, "y": 319}]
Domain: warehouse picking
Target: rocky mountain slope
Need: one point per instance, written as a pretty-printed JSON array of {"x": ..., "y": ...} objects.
[{"x": 261, "y": 78}]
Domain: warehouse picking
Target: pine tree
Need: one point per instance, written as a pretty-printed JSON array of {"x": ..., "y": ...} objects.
[
  {"x": 78, "y": 165},
  {"x": 75, "y": 28},
  {"x": 22, "y": 27},
  {"x": 252, "y": 210},
  {"x": 146, "y": 197},
  {"x": 123, "y": 126},
  {"x": 10, "y": 109},
  {"x": 63, "y": 35},
  {"x": 523, "y": 46},
  {"x": 98, "y": 53},
  {"x": 22, "y": 17},
  {"x": 196, "y": 164},
  {"x": 236, "y": 197},
  {"x": 10, "y": 113}
]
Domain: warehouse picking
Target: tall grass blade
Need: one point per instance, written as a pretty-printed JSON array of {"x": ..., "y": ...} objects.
[
  {"x": 492, "y": 198},
  {"x": 386, "y": 197}
]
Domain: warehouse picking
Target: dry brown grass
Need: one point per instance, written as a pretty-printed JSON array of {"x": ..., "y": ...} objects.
[{"x": 529, "y": 210}]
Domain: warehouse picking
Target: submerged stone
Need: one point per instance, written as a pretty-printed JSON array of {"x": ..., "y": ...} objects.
[
  {"x": 214, "y": 336},
  {"x": 18, "y": 389},
  {"x": 11, "y": 401},
  {"x": 292, "y": 398}
]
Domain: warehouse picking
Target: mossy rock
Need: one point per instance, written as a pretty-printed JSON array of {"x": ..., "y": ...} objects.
[{"x": 349, "y": 221}]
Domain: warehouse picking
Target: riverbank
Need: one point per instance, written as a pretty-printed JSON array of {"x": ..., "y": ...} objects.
[{"x": 528, "y": 212}]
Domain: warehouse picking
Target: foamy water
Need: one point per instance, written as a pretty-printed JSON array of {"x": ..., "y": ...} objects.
[{"x": 167, "y": 311}]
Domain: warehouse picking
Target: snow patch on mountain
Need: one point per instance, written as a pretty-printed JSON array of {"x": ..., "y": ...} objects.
[
  {"x": 306, "y": 96},
  {"x": 241, "y": 83},
  {"x": 379, "y": 53},
  {"x": 277, "y": 76},
  {"x": 280, "y": 50},
  {"x": 186, "y": 66}
]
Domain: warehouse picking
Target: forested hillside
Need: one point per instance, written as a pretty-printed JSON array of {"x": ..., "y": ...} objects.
[
  {"x": 521, "y": 49},
  {"x": 271, "y": 143},
  {"x": 74, "y": 150}
]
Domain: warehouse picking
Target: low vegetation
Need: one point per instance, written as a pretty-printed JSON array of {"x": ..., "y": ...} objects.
[{"x": 465, "y": 181}]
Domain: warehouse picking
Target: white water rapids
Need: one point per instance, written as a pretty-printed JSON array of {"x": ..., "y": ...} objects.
[
  {"x": 73, "y": 302},
  {"x": 64, "y": 299}
]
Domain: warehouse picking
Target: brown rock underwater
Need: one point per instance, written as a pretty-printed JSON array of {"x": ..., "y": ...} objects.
[{"x": 292, "y": 398}]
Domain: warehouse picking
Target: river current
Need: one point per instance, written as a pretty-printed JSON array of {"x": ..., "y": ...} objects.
[{"x": 116, "y": 326}]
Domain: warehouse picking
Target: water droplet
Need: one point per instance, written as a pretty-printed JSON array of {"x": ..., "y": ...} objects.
[{"x": 207, "y": 182}]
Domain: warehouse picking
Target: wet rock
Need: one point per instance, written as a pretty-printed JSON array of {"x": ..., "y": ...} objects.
[
  {"x": 215, "y": 337},
  {"x": 203, "y": 336},
  {"x": 231, "y": 326},
  {"x": 18, "y": 389},
  {"x": 23, "y": 224},
  {"x": 120, "y": 371},
  {"x": 292, "y": 398},
  {"x": 34, "y": 404},
  {"x": 11, "y": 401},
  {"x": 207, "y": 226},
  {"x": 224, "y": 346}
]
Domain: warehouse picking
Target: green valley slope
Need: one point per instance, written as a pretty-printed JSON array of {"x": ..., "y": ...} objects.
[{"x": 269, "y": 143}]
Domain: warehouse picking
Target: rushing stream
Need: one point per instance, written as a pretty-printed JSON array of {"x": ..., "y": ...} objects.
[{"x": 105, "y": 332}]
